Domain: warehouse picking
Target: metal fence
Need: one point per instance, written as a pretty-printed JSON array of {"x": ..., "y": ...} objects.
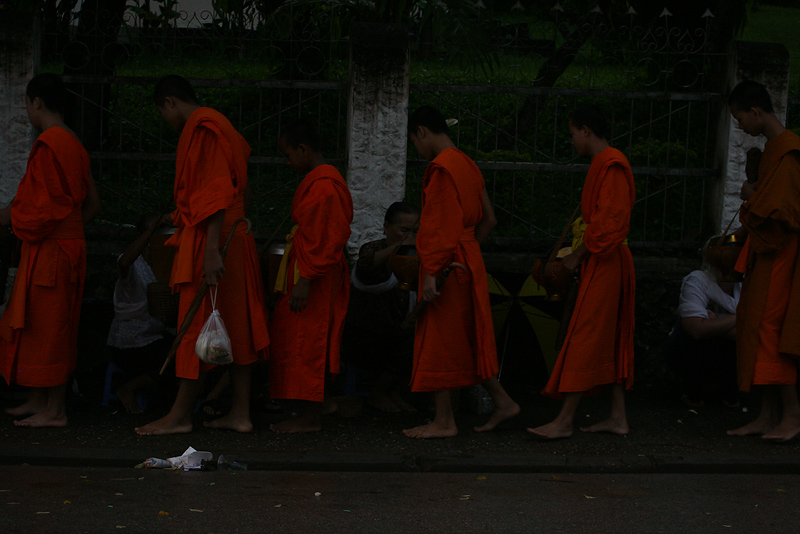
[{"x": 261, "y": 71}]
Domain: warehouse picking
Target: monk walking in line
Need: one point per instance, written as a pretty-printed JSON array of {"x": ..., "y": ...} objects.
[
  {"x": 454, "y": 345},
  {"x": 768, "y": 315},
  {"x": 39, "y": 328},
  {"x": 210, "y": 187},
  {"x": 314, "y": 277},
  {"x": 598, "y": 348}
]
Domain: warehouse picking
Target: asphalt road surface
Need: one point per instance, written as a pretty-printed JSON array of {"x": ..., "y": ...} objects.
[{"x": 104, "y": 500}]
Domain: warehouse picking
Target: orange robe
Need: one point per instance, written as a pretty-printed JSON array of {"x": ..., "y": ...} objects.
[
  {"x": 211, "y": 175},
  {"x": 454, "y": 345},
  {"x": 306, "y": 345},
  {"x": 598, "y": 348},
  {"x": 768, "y": 316},
  {"x": 39, "y": 328}
]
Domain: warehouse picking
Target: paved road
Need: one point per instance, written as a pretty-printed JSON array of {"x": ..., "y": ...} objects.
[{"x": 92, "y": 499}]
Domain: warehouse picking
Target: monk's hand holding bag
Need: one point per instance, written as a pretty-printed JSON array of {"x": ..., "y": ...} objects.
[{"x": 213, "y": 344}]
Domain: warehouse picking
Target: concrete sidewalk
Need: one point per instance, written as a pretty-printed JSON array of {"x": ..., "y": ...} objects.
[{"x": 665, "y": 437}]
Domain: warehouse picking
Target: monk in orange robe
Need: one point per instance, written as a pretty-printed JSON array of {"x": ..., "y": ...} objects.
[
  {"x": 210, "y": 188},
  {"x": 768, "y": 316},
  {"x": 598, "y": 348},
  {"x": 308, "y": 321},
  {"x": 454, "y": 344},
  {"x": 39, "y": 328}
]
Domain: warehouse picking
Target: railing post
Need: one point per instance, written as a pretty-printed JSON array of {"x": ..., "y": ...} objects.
[
  {"x": 377, "y": 116},
  {"x": 18, "y": 45},
  {"x": 766, "y": 63}
]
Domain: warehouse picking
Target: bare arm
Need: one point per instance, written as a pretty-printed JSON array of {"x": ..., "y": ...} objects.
[
  {"x": 488, "y": 221},
  {"x": 213, "y": 264},
  {"x": 91, "y": 204},
  {"x": 702, "y": 328}
]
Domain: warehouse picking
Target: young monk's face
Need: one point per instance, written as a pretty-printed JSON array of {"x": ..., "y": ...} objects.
[
  {"x": 580, "y": 139},
  {"x": 171, "y": 114},
  {"x": 747, "y": 120},
  {"x": 33, "y": 107},
  {"x": 420, "y": 141},
  {"x": 405, "y": 226},
  {"x": 296, "y": 157}
]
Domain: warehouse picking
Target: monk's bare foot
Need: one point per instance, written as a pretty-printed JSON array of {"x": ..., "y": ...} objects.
[
  {"x": 231, "y": 423},
  {"x": 400, "y": 402},
  {"x": 328, "y": 407},
  {"x": 759, "y": 427},
  {"x": 500, "y": 414},
  {"x": 128, "y": 399},
  {"x": 164, "y": 426},
  {"x": 611, "y": 425},
  {"x": 382, "y": 402},
  {"x": 787, "y": 430},
  {"x": 30, "y": 407},
  {"x": 432, "y": 430},
  {"x": 552, "y": 430},
  {"x": 43, "y": 420},
  {"x": 296, "y": 425}
]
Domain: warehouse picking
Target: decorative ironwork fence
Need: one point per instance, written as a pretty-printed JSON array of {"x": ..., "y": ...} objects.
[{"x": 262, "y": 67}]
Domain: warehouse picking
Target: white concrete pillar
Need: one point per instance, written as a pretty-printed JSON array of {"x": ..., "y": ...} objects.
[
  {"x": 766, "y": 63},
  {"x": 376, "y": 126},
  {"x": 17, "y": 57}
]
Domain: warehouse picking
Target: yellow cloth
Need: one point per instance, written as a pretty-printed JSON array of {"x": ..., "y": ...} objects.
[
  {"x": 578, "y": 229},
  {"x": 281, "y": 283}
]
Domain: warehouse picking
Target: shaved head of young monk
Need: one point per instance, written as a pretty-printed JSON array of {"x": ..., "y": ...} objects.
[
  {"x": 175, "y": 99},
  {"x": 300, "y": 143}
]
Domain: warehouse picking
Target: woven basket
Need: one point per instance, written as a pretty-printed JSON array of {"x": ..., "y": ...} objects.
[
  {"x": 406, "y": 269},
  {"x": 161, "y": 302}
]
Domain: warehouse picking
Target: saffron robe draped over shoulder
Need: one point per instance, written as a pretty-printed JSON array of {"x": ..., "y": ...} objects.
[
  {"x": 598, "y": 348},
  {"x": 305, "y": 345},
  {"x": 768, "y": 316},
  {"x": 211, "y": 175},
  {"x": 39, "y": 328},
  {"x": 454, "y": 344}
]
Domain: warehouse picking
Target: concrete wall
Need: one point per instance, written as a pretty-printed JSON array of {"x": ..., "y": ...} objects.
[
  {"x": 766, "y": 63},
  {"x": 17, "y": 56},
  {"x": 376, "y": 126}
]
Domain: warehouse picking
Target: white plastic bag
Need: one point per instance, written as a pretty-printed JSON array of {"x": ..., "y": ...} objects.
[{"x": 213, "y": 344}]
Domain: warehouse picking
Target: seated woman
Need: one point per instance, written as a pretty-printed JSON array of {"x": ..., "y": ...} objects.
[
  {"x": 139, "y": 342},
  {"x": 373, "y": 338},
  {"x": 701, "y": 349}
]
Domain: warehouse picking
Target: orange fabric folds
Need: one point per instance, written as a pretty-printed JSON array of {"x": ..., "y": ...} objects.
[
  {"x": 598, "y": 349},
  {"x": 305, "y": 345},
  {"x": 39, "y": 328},
  {"x": 768, "y": 316},
  {"x": 211, "y": 175},
  {"x": 454, "y": 344}
]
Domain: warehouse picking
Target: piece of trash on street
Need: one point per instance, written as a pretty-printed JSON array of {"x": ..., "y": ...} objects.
[
  {"x": 278, "y": 505},
  {"x": 117, "y": 494},
  {"x": 121, "y": 526},
  {"x": 224, "y": 462},
  {"x": 67, "y": 502},
  {"x": 589, "y": 497},
  {"x": 157, "y": 463},
  {"x": 693, "y": 411},
  {"x": 680, "y": 422},
  {"x": 464, "y": 497},
  {"x": 162, "y": 512},
  {"x": 195, "y": 510},
  {"x": 12, "y": 503},
  {"x": 317, "y": 494},
  {"x": 781, "y": 490},
  {"x": 744, "y": 409}
]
